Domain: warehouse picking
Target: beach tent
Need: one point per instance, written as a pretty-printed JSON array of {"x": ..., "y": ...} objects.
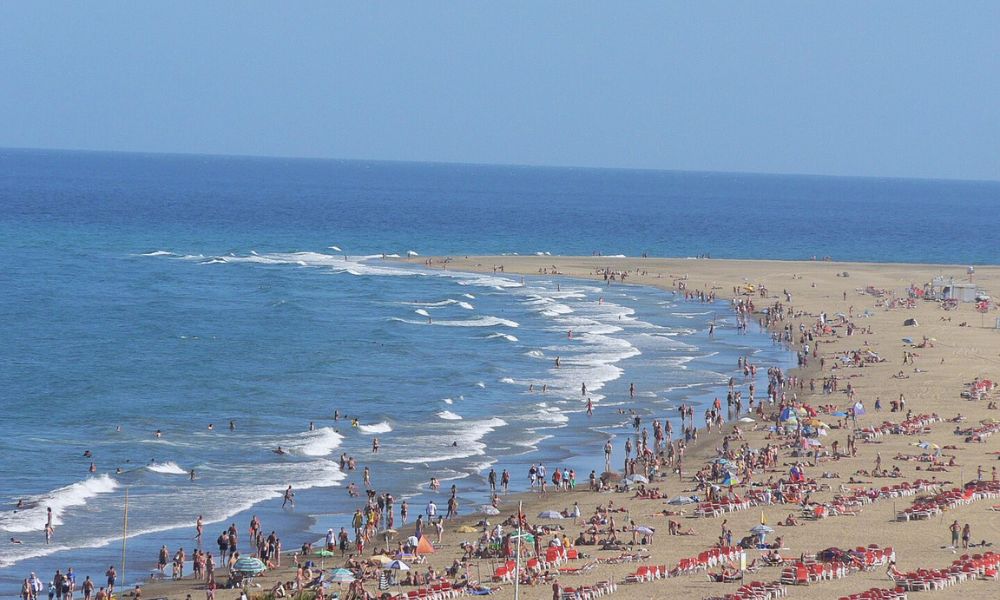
[
  {"x": 424, "y": 546},
  {"x": 636, "y": 479},
  {"x": 550, "y": 514},
  {"x": 910, "y": 323},
  {"x": 490, "y": 510}
]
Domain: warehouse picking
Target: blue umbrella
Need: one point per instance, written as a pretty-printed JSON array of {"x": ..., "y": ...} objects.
[
  {"x": 249, "y": 565},
  {"x": 341, "y": 576}
]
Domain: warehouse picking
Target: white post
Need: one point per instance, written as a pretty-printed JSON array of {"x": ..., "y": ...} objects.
[{"x": 517, "y": 556}]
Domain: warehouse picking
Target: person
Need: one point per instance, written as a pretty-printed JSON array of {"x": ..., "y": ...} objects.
[
  {"x": 375, "y": 446},
  {"x": 88, "y": 588},
  {"x": 966, "y": 536},
  {"x": 289, "y": 497},
  {"x": 199, "y": 526},
  {"x": 956, "y": 531},
  {"x": 112, "y": 576}
]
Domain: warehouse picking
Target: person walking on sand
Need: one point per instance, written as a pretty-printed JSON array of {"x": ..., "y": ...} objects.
[{"x": 289, "y": 498}]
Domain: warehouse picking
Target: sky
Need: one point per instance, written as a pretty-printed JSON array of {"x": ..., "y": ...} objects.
[{"x": 895, "y": 89}]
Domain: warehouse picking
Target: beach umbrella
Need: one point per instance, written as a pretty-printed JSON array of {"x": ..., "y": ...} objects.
[
  {"x": 746, "y": 420},
  {"x": 814, "y": 442},
  {"x": 490, "y": 510},
  {"x": 398, "y": 565},
  {"x": 550, "y": 514},
  {"x": 525, "y": 536},
  {"x": 761, "y": 529},
  {"x": 249, "y": 565},
  {"x": 679, "y": 500},
  {"x": 341, "y": 576},
  {"x": 908, "y": 340},
  {"x": 636, "y": 479},
  {"x": 644, "y": 530}
]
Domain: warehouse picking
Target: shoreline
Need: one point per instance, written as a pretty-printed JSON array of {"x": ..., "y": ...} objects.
[{"x": 708, "y": 278}]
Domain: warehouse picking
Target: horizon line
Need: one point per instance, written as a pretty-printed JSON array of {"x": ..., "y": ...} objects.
[{"x": 481, "y": 164}]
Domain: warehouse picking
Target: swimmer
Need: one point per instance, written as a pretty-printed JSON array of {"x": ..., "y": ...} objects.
[
  {"x": 87, "y": 454},
  {"x": 15, "y": 541},
  {"x": 280, "y": 451},
  {"x": 454, "y": 444},
  {"x": 336, "y": 415},
  {"x": 211, "y": 427},
  {"x": 192, "y": 474},
  {"x": 158, "y": 433},
  {"x": 93, "y": 467},
  {"x": 232, "y": 426},
  {"x": 312, "y": 426},
  {"x": 557, "y": 362}
]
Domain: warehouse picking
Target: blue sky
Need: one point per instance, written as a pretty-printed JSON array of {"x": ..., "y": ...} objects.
[{"x": 906, "y": 89}]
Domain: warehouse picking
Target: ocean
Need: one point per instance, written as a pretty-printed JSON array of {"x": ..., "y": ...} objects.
[{"x": 160, "y": 292}]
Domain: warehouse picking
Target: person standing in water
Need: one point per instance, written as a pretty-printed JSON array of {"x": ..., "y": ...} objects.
[
  {"x": 289, "y": 498},
  {"x": 199, "y": 526},
  {"x": 375, "y": 445},
  {"x": 631, "y": 390},
  {"x": 590, "y": 407},
  {"x": 583, "y": 389}
]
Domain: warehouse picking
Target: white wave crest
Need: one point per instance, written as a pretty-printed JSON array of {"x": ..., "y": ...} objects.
[
  {"x": 167, "y": 468},
  {"x": 503, "y": 336},
  {"x": 381, "y": 427},
  {"x": 33, "y": 517},
  {"x": 487, "y": 321},
  {"x": 447, "y": 415},
  {"x": 319, "y": 442}
]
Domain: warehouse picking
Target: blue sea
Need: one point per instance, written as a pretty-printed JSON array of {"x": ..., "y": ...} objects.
[{"x": 159, "y": 292}]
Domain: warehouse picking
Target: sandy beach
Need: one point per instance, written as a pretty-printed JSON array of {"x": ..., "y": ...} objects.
[{"x": 948, "y": 350}]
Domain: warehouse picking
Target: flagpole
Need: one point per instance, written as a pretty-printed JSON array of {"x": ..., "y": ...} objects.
[
  {"x": 517, "y": 556},
  {"x": 124, "y": 539}
]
